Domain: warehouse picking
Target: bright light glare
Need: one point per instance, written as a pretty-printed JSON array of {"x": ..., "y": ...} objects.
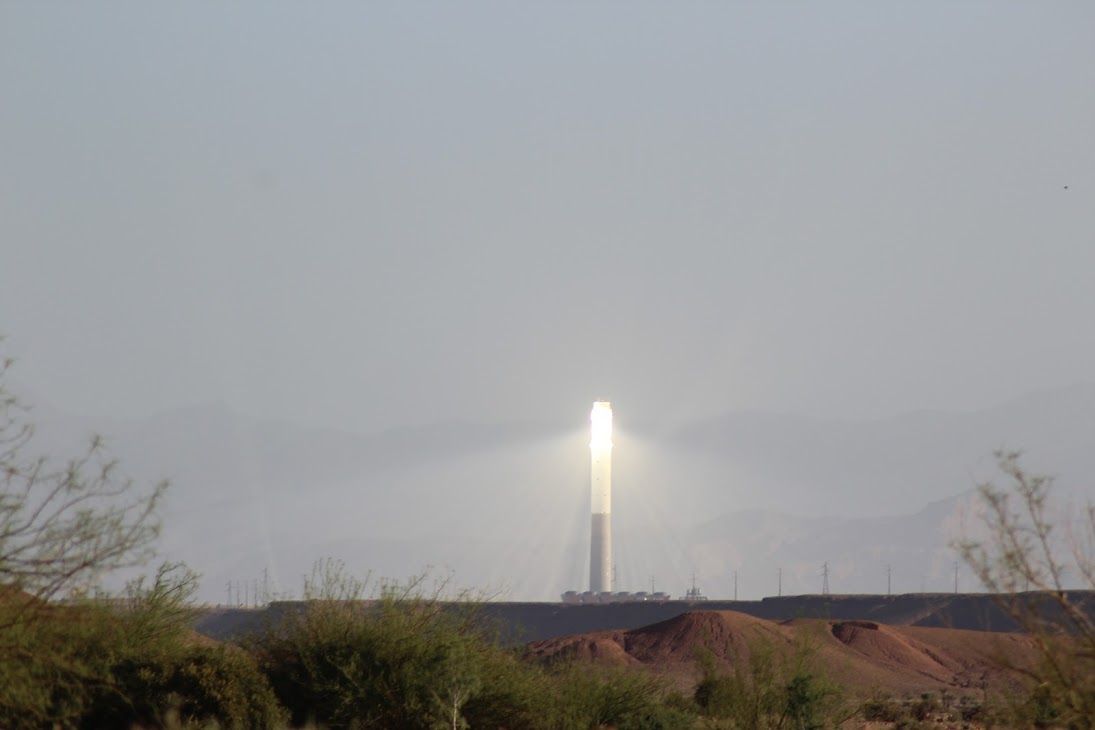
[{"x": 601, "y": 425}]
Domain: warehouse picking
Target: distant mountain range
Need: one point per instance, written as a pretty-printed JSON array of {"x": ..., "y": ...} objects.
[{"x": 504, "y": 506}]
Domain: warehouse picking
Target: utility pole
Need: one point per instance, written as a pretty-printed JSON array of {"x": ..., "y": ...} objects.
[
  {"x": 780, "y": 591},
  {"x": 735, "y": 585},
  {"x": 825, "y": 579},
  {"x": 265, "y": 585},
  {"x": 889, "y": 570},
  {"x": 651, "y": 585}
]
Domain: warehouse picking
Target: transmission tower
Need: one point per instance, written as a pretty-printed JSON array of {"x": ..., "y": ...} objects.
[{"x": 825, "y": 579}]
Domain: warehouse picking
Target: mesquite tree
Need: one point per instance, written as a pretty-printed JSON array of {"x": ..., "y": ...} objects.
[
  {"x": 65, "y": 523},
  {"x": 1040, "y": 564}
]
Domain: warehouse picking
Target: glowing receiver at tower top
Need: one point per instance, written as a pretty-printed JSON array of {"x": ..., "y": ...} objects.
[{"x": 600, "y": 544}]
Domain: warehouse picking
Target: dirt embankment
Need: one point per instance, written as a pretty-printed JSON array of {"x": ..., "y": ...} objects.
[{"x": 863, "y": 656}]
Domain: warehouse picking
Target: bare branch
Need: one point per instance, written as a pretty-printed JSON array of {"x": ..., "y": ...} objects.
[
  {"x": 63, "y": 526},
  {"x": 1023, "y": 563}
]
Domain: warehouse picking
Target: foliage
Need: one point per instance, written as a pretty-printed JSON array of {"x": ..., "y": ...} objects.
[
  {"x": 120, "y": 663},
  {"x": 928, "y": 711},
  {"x": 770, "y": 686},
  {"x": 191, "y": 685},
  {"x": 404, "y": 659},
  {"x": 588, "y": 697},
  {"x": 1024, "y": 560},
  {"x": 63, "y": 525},
  {"x": 409, "y": 659}
]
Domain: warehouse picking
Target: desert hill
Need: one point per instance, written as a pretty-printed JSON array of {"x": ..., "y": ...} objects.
[{"x": 863, "y": 656}]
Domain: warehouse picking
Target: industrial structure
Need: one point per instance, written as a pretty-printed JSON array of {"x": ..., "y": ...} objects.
[
  {"x": 600, "y": 505},
  {"x": 600, "y": 543},
  {"x": 618, "y": 597}
]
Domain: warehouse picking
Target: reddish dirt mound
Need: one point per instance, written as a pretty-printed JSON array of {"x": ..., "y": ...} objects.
[
  {"x": 680, "y": 640},
  {"x": 886, "y": 646},
  {"x": 603, "y": 648},
  {"x": 725, "y": 634},
  {"x": 864, "y": 656}
]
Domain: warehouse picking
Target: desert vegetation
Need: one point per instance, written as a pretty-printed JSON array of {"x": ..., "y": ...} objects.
[
  {"x": 1031, "y": 557},
  {"x": 399, "y": 660},
  {"x": 413, "y": 655},
  {"x": 70, "y": 657},
  {"x": 765, "y": 688}
]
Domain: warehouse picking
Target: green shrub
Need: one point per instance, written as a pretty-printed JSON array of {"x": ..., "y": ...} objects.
[
  {"x": 401, "y": 660},
  {"x": 404, "y": 660},
  {"x": 628, "y": 699},
  {"x": 1029, "y": 563},
  {"x": 770, "y": 686},
  {"x": 881, "y": 709},
  {"x": 101, "y": 664},
  {"x": 195, "y": 685}
]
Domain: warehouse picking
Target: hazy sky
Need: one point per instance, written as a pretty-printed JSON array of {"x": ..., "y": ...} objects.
[{"x": 375, "y": 214}]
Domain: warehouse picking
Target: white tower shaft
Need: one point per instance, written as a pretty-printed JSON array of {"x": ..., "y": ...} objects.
[{"x": 600, "y": 545}]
